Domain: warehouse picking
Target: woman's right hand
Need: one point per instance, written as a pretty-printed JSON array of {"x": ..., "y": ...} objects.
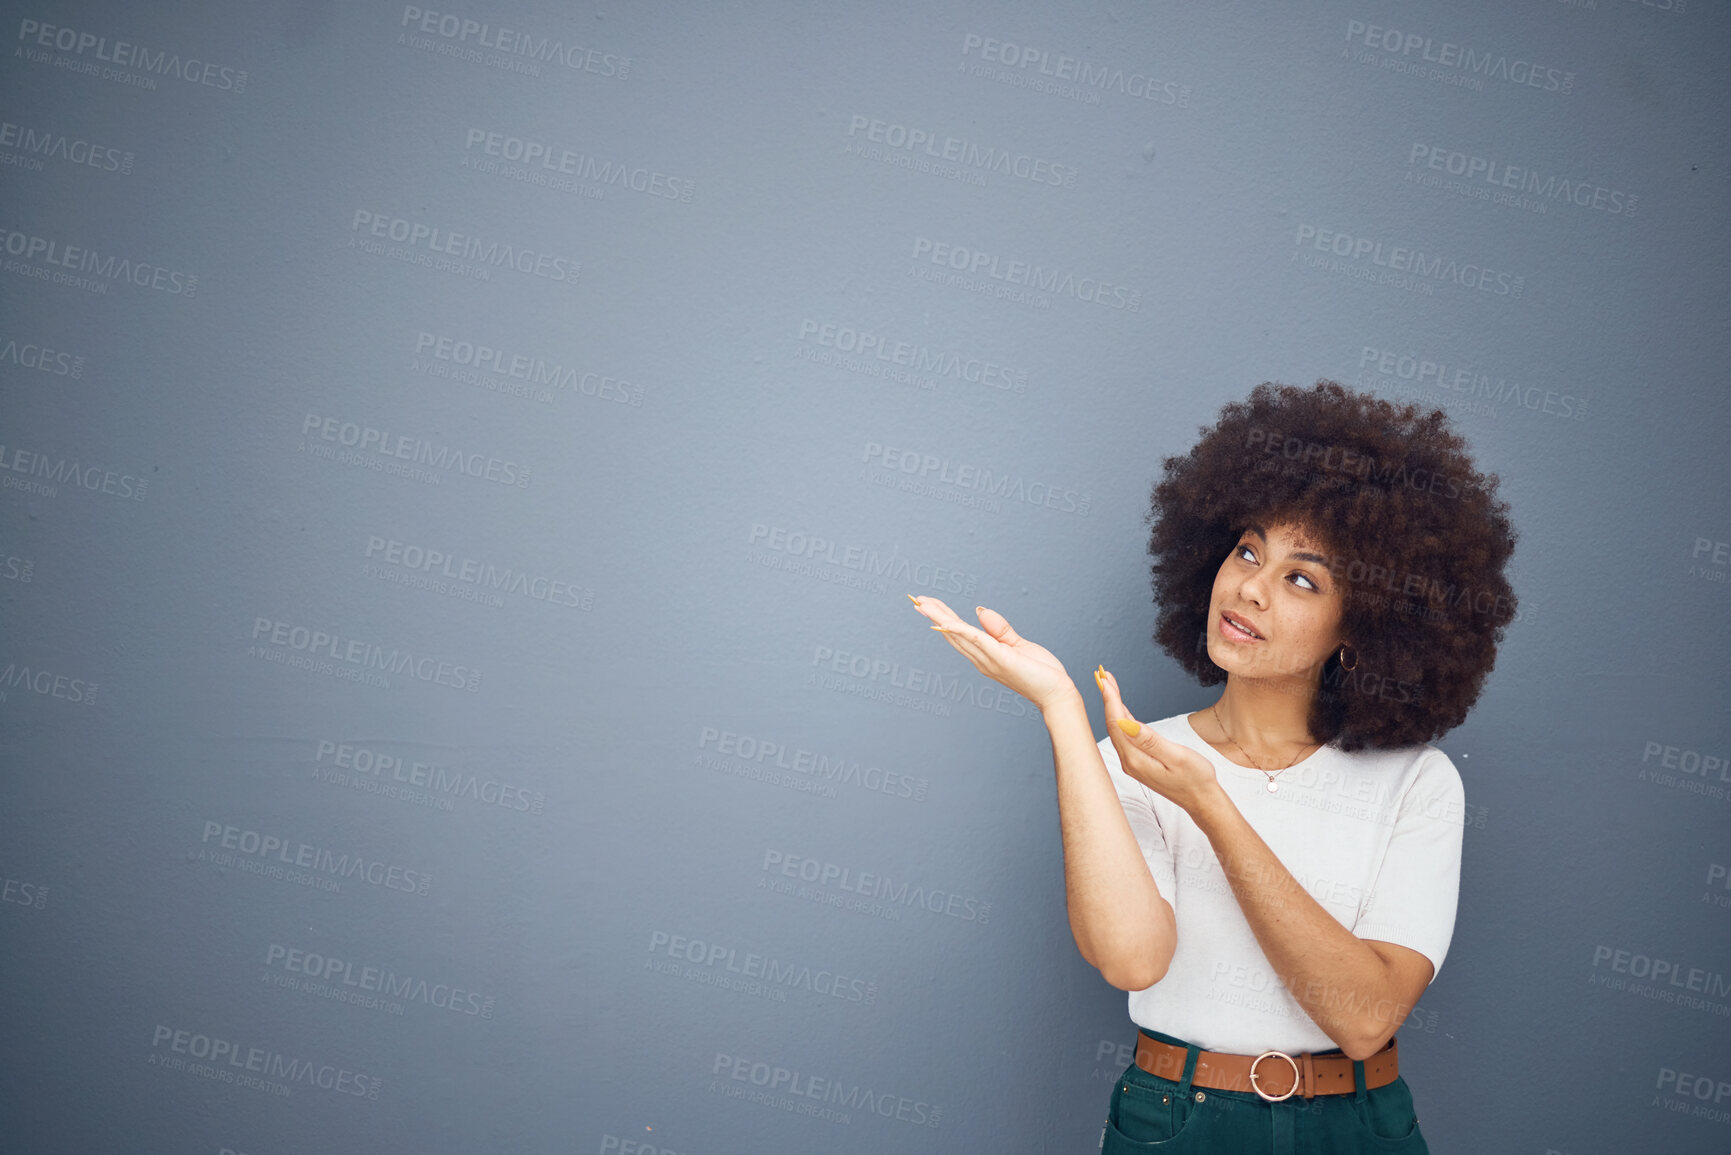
[{"x": 1001, "y": 654}]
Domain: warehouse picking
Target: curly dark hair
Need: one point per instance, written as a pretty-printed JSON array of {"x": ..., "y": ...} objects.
[{"x": 1414, "y": 532}]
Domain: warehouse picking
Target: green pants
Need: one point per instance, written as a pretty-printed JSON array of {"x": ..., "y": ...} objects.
[{"x": 1148, "y": 1113}]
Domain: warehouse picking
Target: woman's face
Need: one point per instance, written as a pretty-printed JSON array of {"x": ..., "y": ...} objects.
[{"x": 1277, "y": 582}]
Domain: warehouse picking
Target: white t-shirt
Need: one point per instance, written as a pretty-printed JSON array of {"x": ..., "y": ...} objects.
[{"x": 1375, "y": 837}]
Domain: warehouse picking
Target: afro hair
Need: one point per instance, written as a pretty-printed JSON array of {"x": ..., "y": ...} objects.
[{"x": 1415, "y": 535}]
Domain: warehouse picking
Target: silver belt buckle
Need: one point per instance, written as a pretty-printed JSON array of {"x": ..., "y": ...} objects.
[{"x": 1265, "y": 1094}]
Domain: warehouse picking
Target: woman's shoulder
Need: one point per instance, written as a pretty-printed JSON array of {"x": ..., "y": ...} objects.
[
  {"x": 1424, "y": 768},
  {"x": 1419, "y": 753}
]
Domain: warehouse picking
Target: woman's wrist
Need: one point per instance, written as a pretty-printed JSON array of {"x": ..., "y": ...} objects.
[
  {"x": 1067, "y": 724},
  {"x": 1212, "y": 807},
  {"x": 1063, "y": 701}
]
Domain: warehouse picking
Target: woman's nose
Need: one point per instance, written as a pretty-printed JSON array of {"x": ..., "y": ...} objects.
[{"x": 1251, "y": 589}]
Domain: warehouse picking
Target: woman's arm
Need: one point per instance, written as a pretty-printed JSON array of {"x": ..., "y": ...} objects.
[
  {"x": 1121, "y": 923},
  {"x": 1358, "y": 991}
]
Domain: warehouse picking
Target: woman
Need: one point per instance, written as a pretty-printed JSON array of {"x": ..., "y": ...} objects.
[{"x": 1273, "y": 878}]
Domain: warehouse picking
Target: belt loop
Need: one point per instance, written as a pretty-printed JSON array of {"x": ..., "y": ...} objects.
[
  {"x": 1309, "y": 1076},
  {"x": 1191, "y": 1050},
  {"x": 1358, "y": 1080}
]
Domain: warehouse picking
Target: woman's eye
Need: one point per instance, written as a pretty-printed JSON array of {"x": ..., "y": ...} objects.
[{"x": 1244, "y": 548}]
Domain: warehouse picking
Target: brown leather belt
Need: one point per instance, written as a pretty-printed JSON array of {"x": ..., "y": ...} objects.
[{"x": 1274, "y": 1075}]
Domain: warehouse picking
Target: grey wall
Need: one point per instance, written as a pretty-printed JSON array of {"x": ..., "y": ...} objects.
[{"x": 506, "y": 679}]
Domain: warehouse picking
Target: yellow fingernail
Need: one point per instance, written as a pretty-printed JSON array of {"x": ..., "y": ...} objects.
[
  {"x": 940, "y": 629},
  {"x": 1129, "y": 727},
  {"x": 913, "y": 599}
]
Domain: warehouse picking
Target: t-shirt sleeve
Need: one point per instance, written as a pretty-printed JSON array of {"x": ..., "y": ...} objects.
[
  {"x": 1138, "y": 804},
  {"x": 1413, "y": 898}
]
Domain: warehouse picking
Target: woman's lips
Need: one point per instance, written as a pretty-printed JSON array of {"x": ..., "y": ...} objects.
[{"x": 1234, "y": 633}]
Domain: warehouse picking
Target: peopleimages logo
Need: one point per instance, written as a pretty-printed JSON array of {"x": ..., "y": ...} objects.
[
  {"x": 355, "y": 979},
  {"x": 552, "y": 160},
  {"x": 1439, "y": 374},
  {"x": 930, "y": 469},
  {"x": 418, "y": 235},
  {"x": 443, "y": 564},
  {"x": 17, "y": 892},
  {"x": 792, "y": 1091},
  {"x": 865, "y": 559},
  {"x": 33, "y": 144},
  {"x": 529, "y": 47},
  {"x": 1472, "y": 63},
  {"x": 527, "y": 368},
  {"x": 1680, "y": 1087},
  {"x": 89, "y": 269},
  {"x": 751, "y": 751},
  {"x": 28, "y": 355},
  {"x": 878, "y": 887},
  {"x": 445, "y": 782},
  {"x": 1669, "y": 981},
  {"x": 228, "y": 1060},
  {"x": 754, "y": 966},
  {"x": 420, "y": 451},
  {"x": 1410, "y": 260},
  {"x": 928, "y": 142},
  {"x": 46, "y": 683},
  {"x": 1685, "y": 769},
  {"x": 48, "y": 473},
  {"x": 258, "y": 846},
  {"x": 1522, "y": 186},
  {"x": 366, "y": 655},
  {"x": 1069, "y": 75},
  {"x": 976, "y": 263},
  {"x": 77, "y": 43},
  {"x": 919, "y": 359},
  {"x": 925, "y": 691}
]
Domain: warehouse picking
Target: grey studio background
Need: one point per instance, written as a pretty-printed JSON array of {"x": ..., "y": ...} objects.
[{"x": 464, "y": 467}]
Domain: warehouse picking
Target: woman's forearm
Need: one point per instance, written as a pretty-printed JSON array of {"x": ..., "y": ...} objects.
[
  {"x": 1121, "y": 922},
  {"x": 1341, "y": 983}
]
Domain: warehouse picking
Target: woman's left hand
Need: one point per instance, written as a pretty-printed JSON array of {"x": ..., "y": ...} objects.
[{"x": 1170, "y": 769}]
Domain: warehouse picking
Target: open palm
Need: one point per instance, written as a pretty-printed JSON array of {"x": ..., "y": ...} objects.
[{"x": 1000, "y": 653}]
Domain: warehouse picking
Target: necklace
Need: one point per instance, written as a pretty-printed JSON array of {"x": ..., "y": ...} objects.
[{"x": 1272, "y": 784}]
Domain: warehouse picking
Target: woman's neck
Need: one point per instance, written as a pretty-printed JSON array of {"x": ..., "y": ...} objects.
[{"x": 1266, "y": 719}]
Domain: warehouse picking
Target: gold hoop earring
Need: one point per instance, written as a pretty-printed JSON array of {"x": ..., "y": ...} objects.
[{"x": 1342, "y": 659}]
